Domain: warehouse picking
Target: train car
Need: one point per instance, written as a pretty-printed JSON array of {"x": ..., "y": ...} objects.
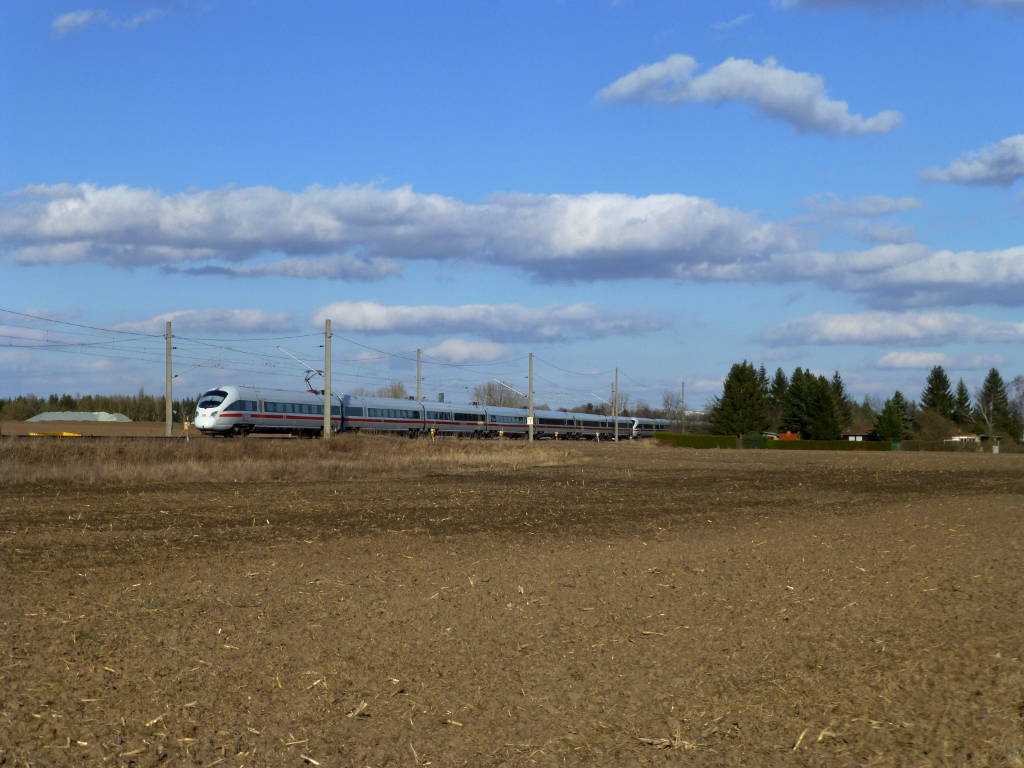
[
  {"x": 382, "y": 414},
  {"x": 231, "y": 410},
  {"x": 506, "y": 422}
]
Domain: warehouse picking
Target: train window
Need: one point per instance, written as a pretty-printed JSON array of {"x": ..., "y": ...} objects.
[
  {"x": 238, "y": 405},
  {"x": 351, "y": 410},
  {"x": 212, "y": 399},
  {"x": 335, "y": 410}
]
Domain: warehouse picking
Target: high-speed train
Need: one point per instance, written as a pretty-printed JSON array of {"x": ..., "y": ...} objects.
[{"x": 231, "y": 410}]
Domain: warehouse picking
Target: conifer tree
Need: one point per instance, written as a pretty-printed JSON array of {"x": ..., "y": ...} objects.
[
  {"x": 796, "y": 415},
  {"x": 742, "y": 407},
  {"x": 992, "y": 406},
  {"x": 777, "y": 397},
  {"x": 936, "y": 395},
  {"x": 823, "y": 414},
  {"x": 844, "y": 407},
  {"x": 962, "y": 413},
  {"x": 891, "y": 423}
]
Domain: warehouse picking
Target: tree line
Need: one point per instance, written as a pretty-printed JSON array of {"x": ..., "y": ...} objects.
[
  {"x": 137, "y": 407},
  {"x": 817, "y": 407}
]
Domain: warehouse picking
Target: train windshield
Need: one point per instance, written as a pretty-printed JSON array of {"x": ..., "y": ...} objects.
[{"x": 212, "y": 399}]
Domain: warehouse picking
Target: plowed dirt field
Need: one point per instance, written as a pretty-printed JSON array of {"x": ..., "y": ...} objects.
[{"x": 384, "y": 603}]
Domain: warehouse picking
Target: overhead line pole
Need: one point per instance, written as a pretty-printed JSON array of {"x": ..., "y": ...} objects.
[
  {"x": 327, "y": 379},
  {"x": 168, "y": 407},
  {"x": 529, "y": 402},
  {"x": 615, "y": 404},
  {"x": 419, "y": 377}
]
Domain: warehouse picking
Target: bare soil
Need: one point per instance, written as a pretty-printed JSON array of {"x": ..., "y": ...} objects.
[{"x": 605, "y": 605}]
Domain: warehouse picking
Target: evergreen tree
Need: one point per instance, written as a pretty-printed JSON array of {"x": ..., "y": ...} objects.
[
  {"x": 992, "y": 407},
  {"x": 796, "y": 413},
  {"x": 844, "y": 407},
  {"x": 937, "y": 395},
  {"x": 823, "y": 414},
  {"x": 742, "y": 408},
  {"x": 762, "y": 381},
  {"x": 891, "y": 423},
  {"x": 777, "y": 397},
  {"x": 962, "y": 413}
]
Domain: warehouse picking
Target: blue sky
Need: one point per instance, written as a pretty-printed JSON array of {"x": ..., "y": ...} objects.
[{"x": 662, "y": 187}]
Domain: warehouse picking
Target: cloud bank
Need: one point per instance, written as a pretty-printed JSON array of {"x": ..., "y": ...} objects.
[
  {"x": 366, "y": 233},
  {"x": 999, "y": 164},
  {"x": 550, "y": 237},
  {"x": 893, "y": 328},
  {"x": 923, "y": 359},
  {"x": 798, "y": 98},
  {"x": 462, "y": 351},
  {"x": 830, "y": 205},
  {"x": 911, "y": 274},
  {"x": 496, "y": 322},
  {"x": 215, "y": 321}
]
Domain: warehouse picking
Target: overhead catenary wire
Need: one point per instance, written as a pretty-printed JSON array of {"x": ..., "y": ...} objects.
[{"x": 236, "y": 356}]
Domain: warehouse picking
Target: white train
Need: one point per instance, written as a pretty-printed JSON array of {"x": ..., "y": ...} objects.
[{"x": 238, "y": 410}]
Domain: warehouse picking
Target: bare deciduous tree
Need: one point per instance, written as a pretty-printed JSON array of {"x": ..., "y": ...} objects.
[{"x": 493, "y": 393}]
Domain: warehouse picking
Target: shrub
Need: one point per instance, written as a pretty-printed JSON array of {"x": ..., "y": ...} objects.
[{"x": 827, "y": 445}]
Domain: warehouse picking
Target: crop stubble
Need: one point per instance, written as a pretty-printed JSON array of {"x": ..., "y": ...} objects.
[{"x": 387, "y": 602}]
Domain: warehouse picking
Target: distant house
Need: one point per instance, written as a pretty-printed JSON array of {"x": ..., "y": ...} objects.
[
  {"x": 964, "y": 439},
  {"x": 859, "y": 435},
  {"x": 789, "y": 436}
]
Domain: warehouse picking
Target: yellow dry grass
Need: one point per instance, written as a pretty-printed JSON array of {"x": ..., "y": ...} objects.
[{"x": 122, "y": 461}]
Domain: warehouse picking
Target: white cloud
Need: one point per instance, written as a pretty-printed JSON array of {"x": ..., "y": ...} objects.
[
  {"x": 342, "y": 266},
  {"x": 798, "y": 98},
  {"x": 214, "y": 321},
  {"x": 503, "y": 322},
  {"x": 140, "y": 19},
  {"x": 1000, "y": 164},
  {"x": 911, "y": 274},
  {"x": 893, "y": 328},
  {"x": 722, "y": 26},
  {"x": 462, "y": 351},
  {"x": 67, "y": 23},
  {"x": 74, "y": 21},
  {"x": 922, "y": 359},
  {"x": 829, "y": 205},
  {"x": 553, "y": 237}
]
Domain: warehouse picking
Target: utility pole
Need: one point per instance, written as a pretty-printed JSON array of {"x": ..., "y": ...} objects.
[
  {"x": 327, "y": 379},
  {"x": 419, "y": 378},
  {"x": 168, "y": 407},
  {"x": 529, "y": 402},
  {"x": 615, "y": 404}
]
